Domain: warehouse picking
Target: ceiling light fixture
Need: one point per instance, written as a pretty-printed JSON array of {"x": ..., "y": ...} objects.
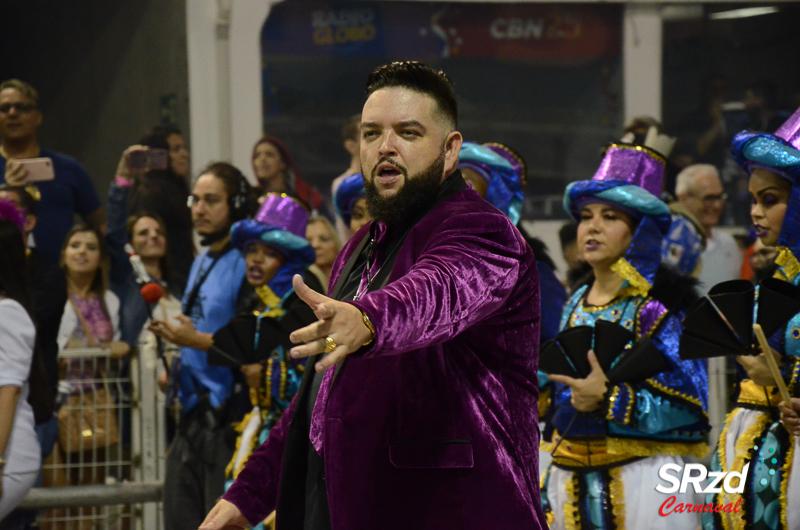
[{"x": 743, "y": 12}]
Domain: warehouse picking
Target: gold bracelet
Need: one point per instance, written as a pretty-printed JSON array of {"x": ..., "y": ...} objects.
[{"x": 370, "y": 327}]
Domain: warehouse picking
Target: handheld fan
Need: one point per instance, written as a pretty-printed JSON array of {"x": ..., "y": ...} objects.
[
  {"x": 721, "y": 323},
  {"x": 566, "y": 354}
]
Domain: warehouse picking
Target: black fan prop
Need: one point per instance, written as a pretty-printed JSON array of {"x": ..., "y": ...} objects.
[
  {"x": 636, "y": 364},
  {"x": 609, "y": 340},
  {"x": 234, "y": 343},
  {"x": 566, "y": 354},
  {"x": 721, "y": 323}
]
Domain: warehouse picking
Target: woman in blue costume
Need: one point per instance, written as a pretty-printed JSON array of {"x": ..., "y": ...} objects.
[
  {"x": 605, "y": 469},
  {"x": 497, "y": 173},
  {"x": 753, "y": 433},
  {"x": 350, "y": 202},
  {"x": 275, "y": 249}
]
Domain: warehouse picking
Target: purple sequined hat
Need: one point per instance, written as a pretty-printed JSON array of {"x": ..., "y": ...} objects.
[
  {"x": 280, "y": 223},
  {"x": 633, "y": 164},
  {"x": 790, "y": 131},
  {"x": 281, "y": 211},
  {"x": 629, "y": 177}
]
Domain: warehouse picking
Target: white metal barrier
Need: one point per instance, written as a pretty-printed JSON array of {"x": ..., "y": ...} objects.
[{"x": 107, "y": 468}]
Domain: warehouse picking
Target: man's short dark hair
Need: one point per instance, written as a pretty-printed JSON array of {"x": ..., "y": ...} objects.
[
  {"x": 351, "y": 128},
  {"x": 420, "y": 78},
  {"x": 23, "y": 88}
]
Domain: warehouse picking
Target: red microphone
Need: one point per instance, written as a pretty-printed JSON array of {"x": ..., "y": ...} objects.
[{"x": 152, "y": 292}]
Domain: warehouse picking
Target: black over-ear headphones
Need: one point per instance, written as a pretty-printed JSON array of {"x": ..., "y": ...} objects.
[{"x": 242, "y": 203}]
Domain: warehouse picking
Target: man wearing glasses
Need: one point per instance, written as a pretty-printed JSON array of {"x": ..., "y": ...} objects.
[
  {"x": 699, "y": 189},
  {"x": 69, "y": 193}
]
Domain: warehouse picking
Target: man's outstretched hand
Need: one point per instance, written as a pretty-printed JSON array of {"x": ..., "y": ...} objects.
[
  {"x": 340, "y": 321},
  {"x": 224, "y": 516}
]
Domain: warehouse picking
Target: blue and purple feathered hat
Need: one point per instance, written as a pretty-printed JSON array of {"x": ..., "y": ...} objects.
[
  {"x": 350, "y": 190},
  {"x": 503, "y": 171},
  {"x": 777, "y": 153},
  {"x": 279, "y": 223},
  {"x": 629, "y": 178}
]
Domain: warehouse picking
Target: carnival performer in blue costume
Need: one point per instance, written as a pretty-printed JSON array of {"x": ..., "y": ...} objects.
[
  {"x": 350, "y": 202},
  {"x": 275, "y": 249},
  {"x": 753, "y": 433},
  {"x": 497, "y": 173},
  {"x": 606, "y": 467}
]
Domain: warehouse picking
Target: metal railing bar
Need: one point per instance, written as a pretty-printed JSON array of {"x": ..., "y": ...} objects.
[{"x": 95, "y": 495}]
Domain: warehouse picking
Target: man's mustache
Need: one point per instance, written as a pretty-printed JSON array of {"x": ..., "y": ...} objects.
[{"x": 389, "y": 160}]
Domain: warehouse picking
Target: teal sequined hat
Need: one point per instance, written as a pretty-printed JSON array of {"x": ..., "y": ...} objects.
[
  {"x": 777, "y": 153},
  {"x": 503, "y": 171}
]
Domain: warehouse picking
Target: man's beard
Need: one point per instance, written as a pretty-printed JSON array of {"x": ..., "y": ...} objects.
[{"x": 416, "y": 194}]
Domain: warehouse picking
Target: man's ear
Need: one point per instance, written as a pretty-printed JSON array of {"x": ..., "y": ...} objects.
[
  {"x": 452, "y": 146},
  {"x": 39, "y": 117},
  {"x": 351, "y": 146}
]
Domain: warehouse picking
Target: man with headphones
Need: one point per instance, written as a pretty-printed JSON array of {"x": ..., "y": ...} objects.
[{"x": 203, "y": 445}]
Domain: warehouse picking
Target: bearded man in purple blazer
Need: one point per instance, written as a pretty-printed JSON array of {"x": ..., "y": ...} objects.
[{"x": 421, "y": 410}]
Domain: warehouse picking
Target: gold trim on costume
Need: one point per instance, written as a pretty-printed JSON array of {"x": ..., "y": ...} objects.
[
  {"x": 628, "y": 447},
  {"x": 578, "y": 453},
  {"x": 270, "y": 301},
  {"x": 669, "y": 391},
  {"x": 572, "y": 517},
  {"x": 611, "y": 451},
  {"x": 743, "y": 450},
  {"x": 616, "y": 490},
  {"x": 253, "y": 442},
  {"x": 789, "y": 266},
  {"x": 638, "y": 285},
  {"x": 723, "y": 462},
  {"x": 753, "y": 394},
  {"x": 613, "y": 399},
  {"x": 631, "y": 401},
  {"x": 652, "y": 153},
  {"x": 626, "y": 419}
]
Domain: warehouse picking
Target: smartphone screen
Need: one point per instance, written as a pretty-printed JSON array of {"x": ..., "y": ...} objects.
[
  {"x": 38, "y": 169},
  {"x": 138, "y": 159},
  {"x": 147, "y": 159},
  {"x": 159, "y": 159}
]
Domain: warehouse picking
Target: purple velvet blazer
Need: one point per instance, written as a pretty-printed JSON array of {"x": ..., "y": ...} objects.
[{"x": 436, "y": 425}]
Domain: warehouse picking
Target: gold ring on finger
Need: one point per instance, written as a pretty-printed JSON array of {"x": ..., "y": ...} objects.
[{"x": 330, "y": 345}]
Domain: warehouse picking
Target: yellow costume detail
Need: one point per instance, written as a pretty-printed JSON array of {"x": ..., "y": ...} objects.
[
  {"x": 638, "y": 285},
  {"x": 787, "y": 467},
  {"x": 270, "y": 301},
  {"x": 616, "y": 490},
  {"x": 572, "y": 518},
  {"x": 788, "y": 266}
]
